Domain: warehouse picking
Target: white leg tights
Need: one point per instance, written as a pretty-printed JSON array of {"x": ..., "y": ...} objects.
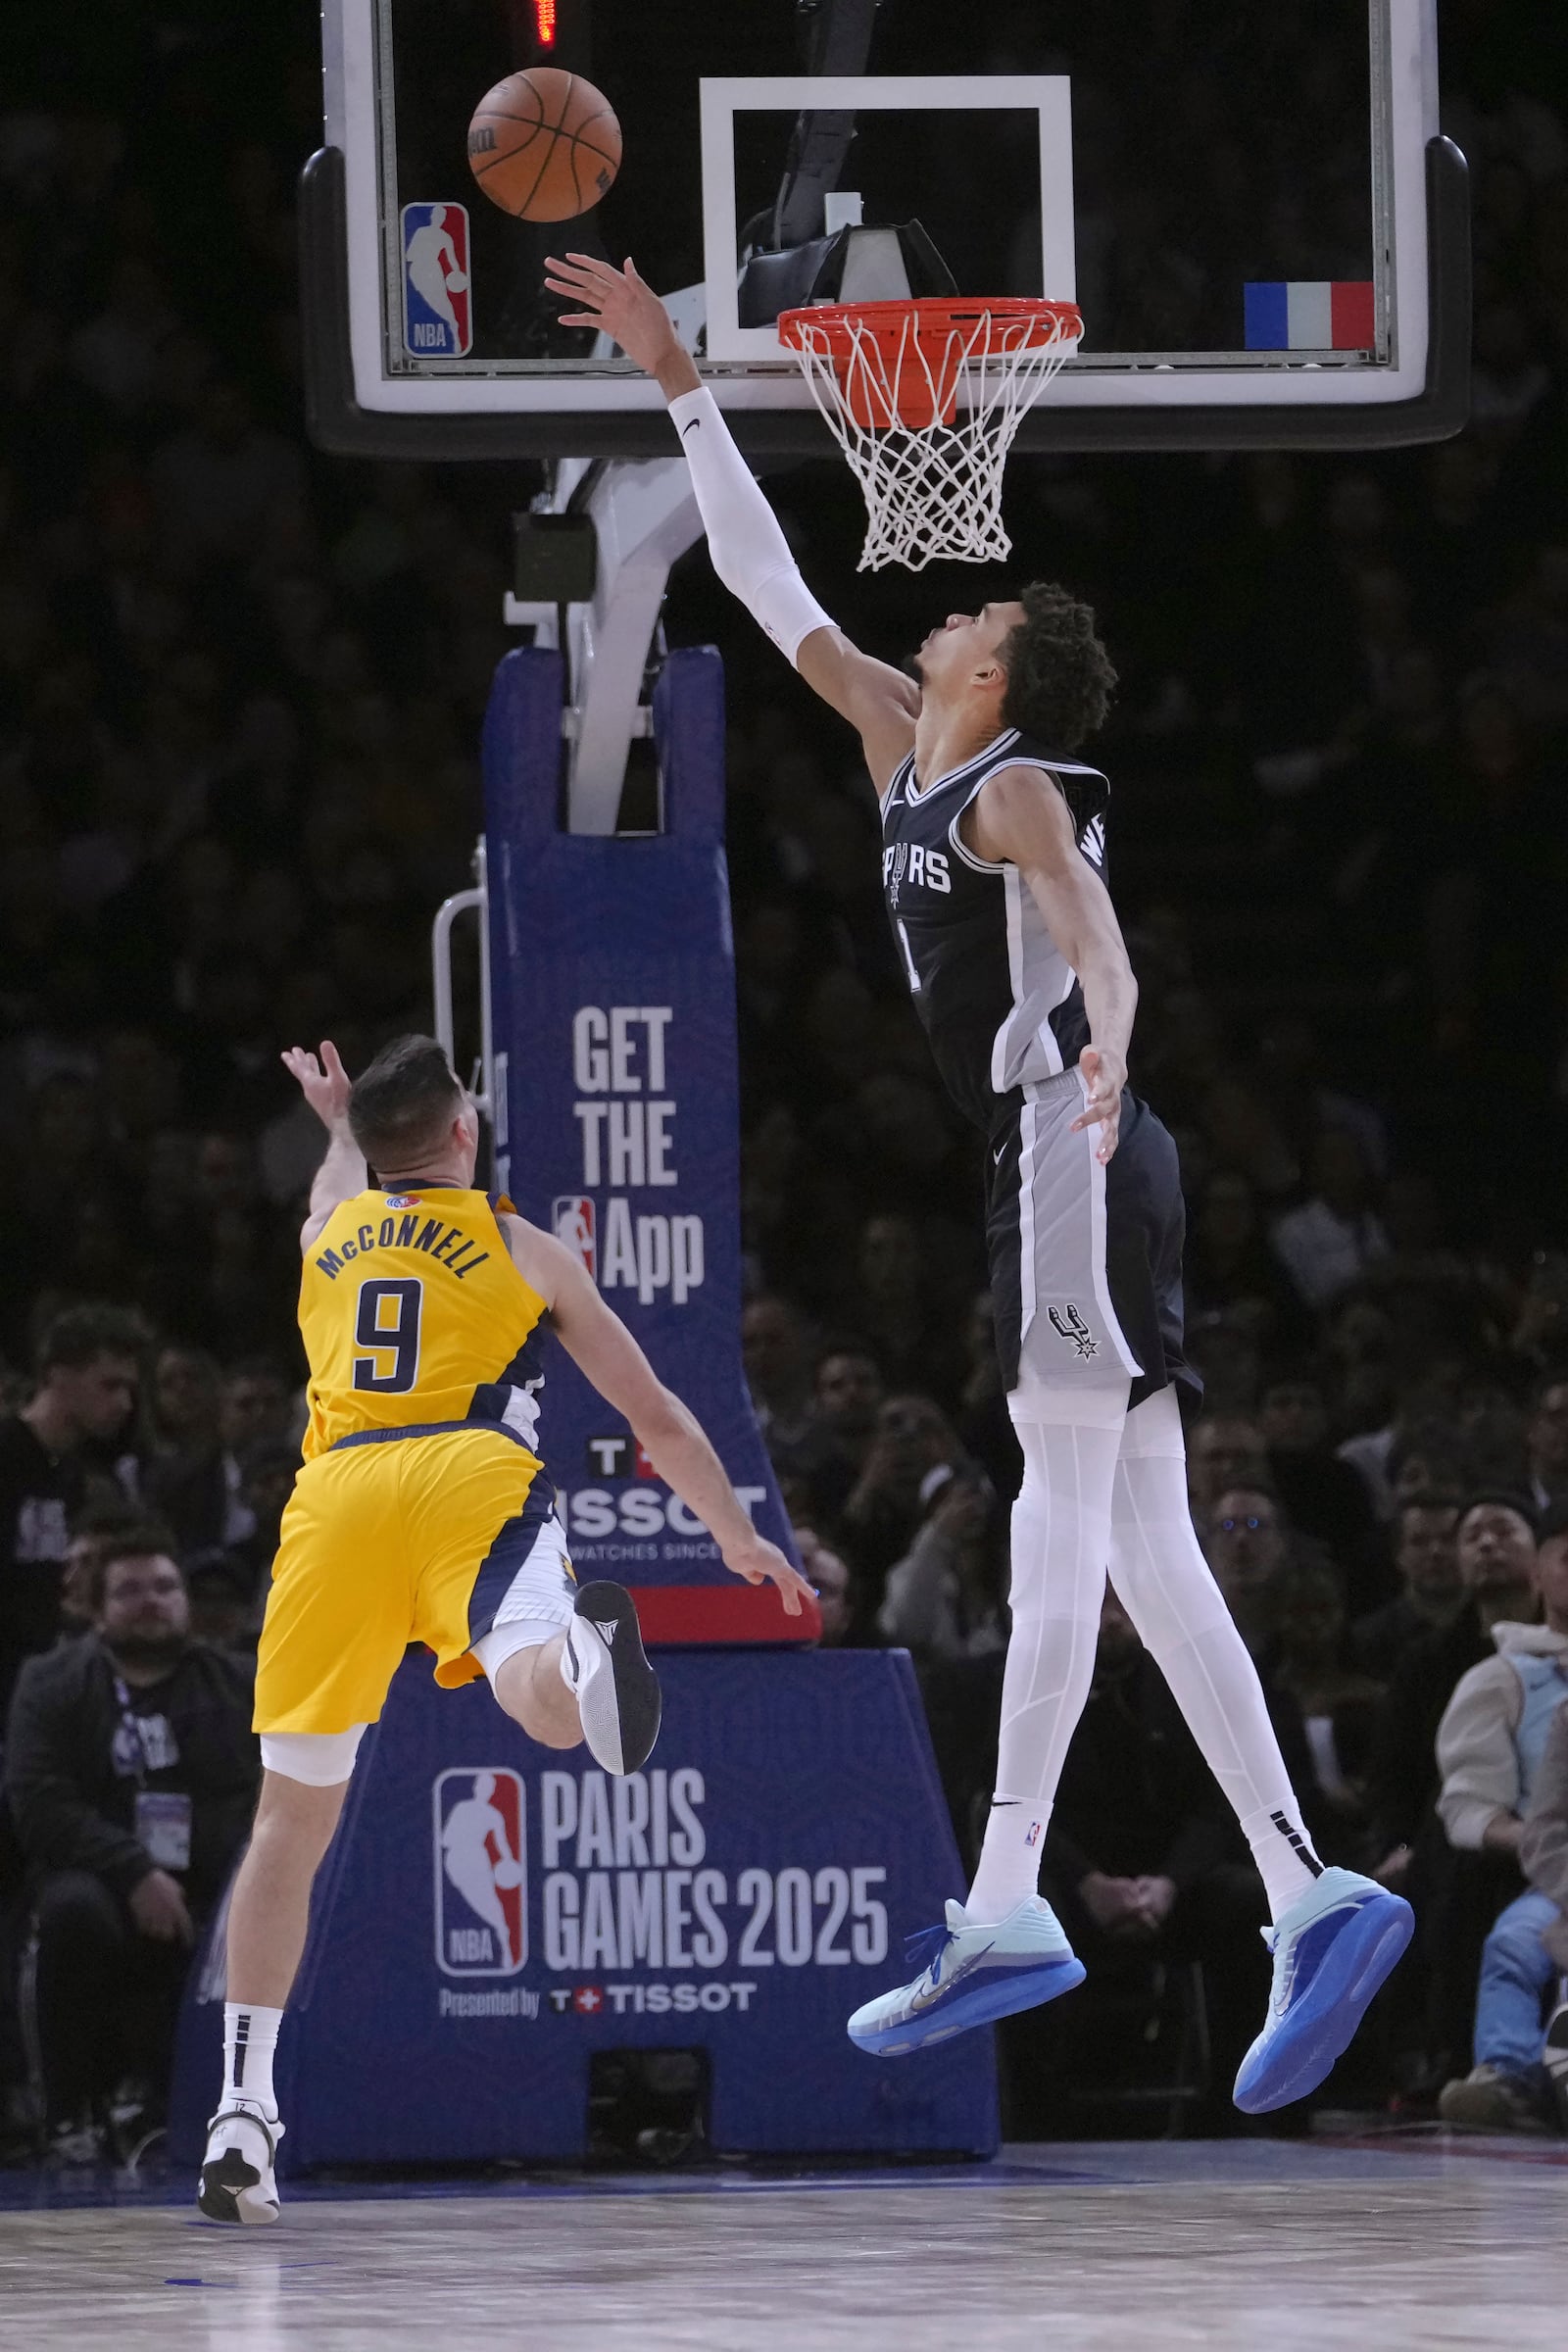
[
  {"x": 1060, "y": 1544},
  {"x": 1166, "y": 1585}
]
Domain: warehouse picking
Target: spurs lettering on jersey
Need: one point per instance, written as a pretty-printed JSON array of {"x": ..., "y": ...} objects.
[{"x": 907, "y": 862}]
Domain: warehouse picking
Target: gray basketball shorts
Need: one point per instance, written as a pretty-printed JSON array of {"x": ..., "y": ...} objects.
[{"x": 1086, "y": 1262}]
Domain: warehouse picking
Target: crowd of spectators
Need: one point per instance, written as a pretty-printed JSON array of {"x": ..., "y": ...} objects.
[{"x": 241, "y": 695}]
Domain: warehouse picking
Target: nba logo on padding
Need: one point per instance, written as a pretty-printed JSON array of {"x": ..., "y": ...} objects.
[
  {"x": 437, "y": 300},
  {"x": 571, "y": 1217},
  {"x": 481, "y": 1873}
]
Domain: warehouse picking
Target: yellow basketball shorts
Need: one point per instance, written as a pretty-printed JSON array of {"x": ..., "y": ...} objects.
[{"x": 404, "y": 1539}]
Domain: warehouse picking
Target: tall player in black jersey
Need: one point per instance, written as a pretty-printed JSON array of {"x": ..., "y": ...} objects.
[{"x": 993, "y": 864}]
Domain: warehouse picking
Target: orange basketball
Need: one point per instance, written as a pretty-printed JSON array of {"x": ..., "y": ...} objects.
[{"x": 544, "y": 145}]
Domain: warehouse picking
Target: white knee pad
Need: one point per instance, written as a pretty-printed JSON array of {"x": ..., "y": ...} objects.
[{"x": 320, "y": 1759}]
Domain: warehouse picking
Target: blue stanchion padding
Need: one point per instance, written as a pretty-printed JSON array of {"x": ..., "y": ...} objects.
[
  {"x": 612, "y": 978},
  {"x": 493, "y": 1913}
]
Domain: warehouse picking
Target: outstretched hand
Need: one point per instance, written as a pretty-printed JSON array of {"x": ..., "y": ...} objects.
[
  {"x": 326, "y": 1085},
  {"x": 760, "y": 1562},
  {"x": 614, "y": 302}
]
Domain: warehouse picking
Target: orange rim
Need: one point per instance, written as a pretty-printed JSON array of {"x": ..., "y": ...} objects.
[{"x": 871, "y": 345}]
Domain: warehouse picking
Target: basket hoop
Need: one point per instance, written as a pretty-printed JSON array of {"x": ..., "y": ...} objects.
[{"x": 888, "y": 376}]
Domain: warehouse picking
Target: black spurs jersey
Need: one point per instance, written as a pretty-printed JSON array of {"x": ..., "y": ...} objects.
[{"x": 1001, "y": 1003}]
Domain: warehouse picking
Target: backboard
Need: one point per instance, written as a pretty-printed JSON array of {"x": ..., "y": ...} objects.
[{"x": 1248, "y": 199}]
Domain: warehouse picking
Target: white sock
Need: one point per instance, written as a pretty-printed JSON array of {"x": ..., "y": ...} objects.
[
  {"x": 250, "y": 2038},
  {"x": 1060, "y": 1540},
  {"x": 1164, "y": 1583}
]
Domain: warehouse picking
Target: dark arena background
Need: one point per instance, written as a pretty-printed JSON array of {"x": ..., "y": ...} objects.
[{"x": 244, "y": 763}]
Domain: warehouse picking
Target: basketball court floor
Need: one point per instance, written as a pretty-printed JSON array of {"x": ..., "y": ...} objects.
[{"x": 1294, "y": 2246}]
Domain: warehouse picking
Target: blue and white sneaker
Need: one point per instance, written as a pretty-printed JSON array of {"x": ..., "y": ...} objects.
[
  {"x": 975, "y": 1972},
  {"x": 1332, "y": 1950}
]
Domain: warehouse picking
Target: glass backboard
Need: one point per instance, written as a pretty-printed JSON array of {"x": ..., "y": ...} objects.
[{"x": 1248, "y": 199}]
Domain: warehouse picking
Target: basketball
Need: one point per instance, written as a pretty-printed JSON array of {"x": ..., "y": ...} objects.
[{"x": 544, "y": 145}]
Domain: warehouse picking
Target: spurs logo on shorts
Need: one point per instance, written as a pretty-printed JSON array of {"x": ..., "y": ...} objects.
[{"x": 1068, "y": 1324}]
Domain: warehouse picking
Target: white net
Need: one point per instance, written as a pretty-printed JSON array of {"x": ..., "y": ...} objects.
[{"x": 932, "y": 490}]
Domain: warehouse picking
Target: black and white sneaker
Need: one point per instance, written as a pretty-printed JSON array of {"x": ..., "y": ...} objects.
[
  {"x": 237, "y": 2178},
  {"x": 616, "y": 1690}
]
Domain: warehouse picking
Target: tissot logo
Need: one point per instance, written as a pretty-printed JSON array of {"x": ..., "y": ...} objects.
[
  {"x": 618, "y": 1457},
  {"x": 710, "y": 2000},
  {"x": 481, "y": 1873}
]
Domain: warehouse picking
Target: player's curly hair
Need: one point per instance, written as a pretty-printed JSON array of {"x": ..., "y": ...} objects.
[
  {"x": 1059, "y": 676},
  {"x": 402, "y": 1101}
]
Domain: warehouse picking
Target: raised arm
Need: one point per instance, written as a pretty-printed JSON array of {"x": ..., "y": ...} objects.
[
  {"x": 667, "y": 1430},
  {"x": 326, "y": 1086},
  {"x": 1020, "y": 819},
  {"x": 750, "y": 552}
]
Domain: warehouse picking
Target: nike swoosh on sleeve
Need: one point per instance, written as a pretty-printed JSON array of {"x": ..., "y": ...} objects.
[{"x": 690, "y": 428}]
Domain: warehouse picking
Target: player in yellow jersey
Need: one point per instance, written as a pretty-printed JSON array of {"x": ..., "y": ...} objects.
[{"x": 422, "y": 1513}]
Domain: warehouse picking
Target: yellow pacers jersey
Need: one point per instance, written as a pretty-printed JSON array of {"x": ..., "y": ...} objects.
[{"x": 414, "y": 1315}]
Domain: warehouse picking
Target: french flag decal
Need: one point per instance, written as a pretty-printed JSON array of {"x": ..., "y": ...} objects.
[{"x": 1310, "y": 314}]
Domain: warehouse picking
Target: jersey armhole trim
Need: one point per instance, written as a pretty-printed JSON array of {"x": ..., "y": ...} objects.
[
  {"x": 979, "y": 865},
  {"x": 1046, "y": 768},
  {"x": 986, "y": 865}
]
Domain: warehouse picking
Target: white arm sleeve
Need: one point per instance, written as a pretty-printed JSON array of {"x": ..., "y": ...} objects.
[{"x": 750, "y": 552}]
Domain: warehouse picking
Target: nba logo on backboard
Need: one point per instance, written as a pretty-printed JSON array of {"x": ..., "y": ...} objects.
[
  {"x": 571, "y": 1216},
  {"x": 481, "y": 1873},
  {"x": 437, "y": 301}
]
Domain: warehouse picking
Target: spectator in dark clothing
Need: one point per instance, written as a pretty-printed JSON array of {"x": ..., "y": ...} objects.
[
  {"x": 269, "y": 1472},
  {"x": 1323, "y": 1497},
  {"x": 1496, "y": 1553},
  {"x": 1309, "y": 1662},
  {"x": 1427, "y": 1556},
  {"x": 224, "y": 1604},
  {"x": 897, "y": 1303},
  {"x": 1226, "y": 1450},
  {"x": 849, "y": 1390},
  {"x": 983, "y": 1420},
  {"x": 1546, "y": 1441},
  {"x": 913, "y": 1454},
  {"x": 193, "y": 1480},
  {"x": 258, "y": 1409},
  {"x": 130, "y": 1773},
  {"x": 54, "y": 1455},
  {"x": 776, "y": 1349},
  {"x": 1228, "y": 1265},
  {"x": 1142, "y": 1855},
  {"x": 1247, "y": 1543}
]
